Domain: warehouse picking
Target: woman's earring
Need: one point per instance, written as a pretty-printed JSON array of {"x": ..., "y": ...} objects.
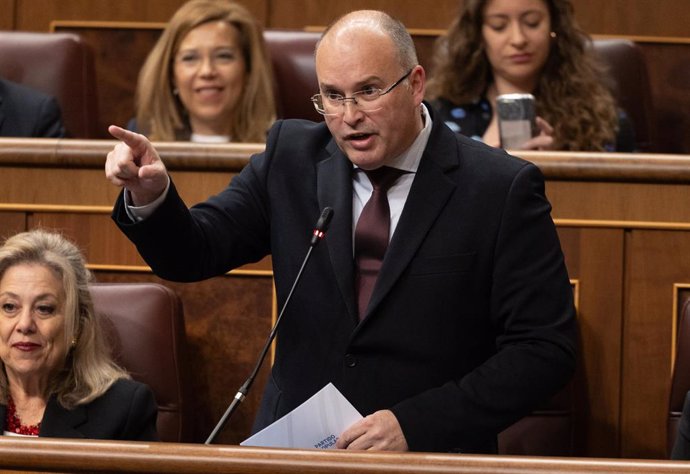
[
  {"x": 73, "y": 343},
  {"x": 553, "y": 35},
  {"x": 176, "y": 91}
]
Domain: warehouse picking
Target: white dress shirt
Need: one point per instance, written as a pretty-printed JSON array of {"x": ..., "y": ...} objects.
[{"x": 397, "y": 194}]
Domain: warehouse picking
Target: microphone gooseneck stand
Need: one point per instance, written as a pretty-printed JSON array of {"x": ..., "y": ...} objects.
[{"x": 317, "y": 236}]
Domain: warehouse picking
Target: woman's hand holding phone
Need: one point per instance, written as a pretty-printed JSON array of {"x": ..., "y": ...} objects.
[{"x": 544, "y": 140}]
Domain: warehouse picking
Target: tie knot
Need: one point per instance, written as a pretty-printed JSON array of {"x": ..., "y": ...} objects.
[{"x": 383, "y": 178}]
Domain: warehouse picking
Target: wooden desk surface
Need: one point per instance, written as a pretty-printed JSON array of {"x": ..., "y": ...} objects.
[
  {"x": 569, "y": 166},
  {"x": 54, "y": 455}
]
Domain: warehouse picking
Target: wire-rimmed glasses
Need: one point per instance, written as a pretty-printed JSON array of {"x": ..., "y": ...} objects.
[{"x": 366, "y": 99}]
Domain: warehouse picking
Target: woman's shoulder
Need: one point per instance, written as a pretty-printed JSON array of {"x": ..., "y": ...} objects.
[
  {"x": 124, "y": 392},
  {"x": 128, "y": 386},
  {"x": 126, "y": 411},
  {"x": 470, "y": 119}
]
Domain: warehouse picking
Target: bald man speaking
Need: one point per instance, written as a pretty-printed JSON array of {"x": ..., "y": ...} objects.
[{"x": 439, "y": 303}]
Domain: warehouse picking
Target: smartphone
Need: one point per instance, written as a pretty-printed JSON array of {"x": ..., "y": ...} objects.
[{"x": 516, "y": 119}]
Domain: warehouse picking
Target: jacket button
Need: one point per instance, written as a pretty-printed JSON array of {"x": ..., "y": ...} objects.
[{"x": 350, "y": 360}]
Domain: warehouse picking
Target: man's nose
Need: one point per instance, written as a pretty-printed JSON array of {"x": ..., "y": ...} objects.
[{"x": 351, "y": 111}]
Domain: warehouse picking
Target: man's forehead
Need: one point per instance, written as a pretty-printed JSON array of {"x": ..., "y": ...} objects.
[
  {"x": 349, "y": 49},
  {"x": 354, "y": 33},
  {"x": 356, "y": 22},
  {"x": 353, "y": 54},
  {"x": 352, "y": 71}
]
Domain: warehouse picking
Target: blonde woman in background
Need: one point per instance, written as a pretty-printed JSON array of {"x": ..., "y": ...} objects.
[
  {"x": 58, "y": 378},
  {"x": 208, "y": 78}
]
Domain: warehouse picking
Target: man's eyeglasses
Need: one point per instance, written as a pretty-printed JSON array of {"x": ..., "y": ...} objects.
[{"x": 366, "y": 99}]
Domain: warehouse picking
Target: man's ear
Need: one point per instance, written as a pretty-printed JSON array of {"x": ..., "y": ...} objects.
[{"x": 418, "y": 83}]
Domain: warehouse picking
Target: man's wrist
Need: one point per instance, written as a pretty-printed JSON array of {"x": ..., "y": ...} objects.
[{"x": 140, "y": 212}]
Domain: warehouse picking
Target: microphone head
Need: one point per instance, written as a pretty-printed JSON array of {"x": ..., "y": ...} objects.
[
  {"x": 322, "y": 225},
  {"x": 324, "y": 219}
]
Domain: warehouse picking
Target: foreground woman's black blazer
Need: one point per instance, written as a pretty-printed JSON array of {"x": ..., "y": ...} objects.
[{"x": 127, "y": 411}]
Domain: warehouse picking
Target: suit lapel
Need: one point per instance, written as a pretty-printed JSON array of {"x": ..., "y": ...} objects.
[
  {"x": 334, "y": 189},
  {"x": 60, "y": 423},
  {"x": 428, "y": 196}
]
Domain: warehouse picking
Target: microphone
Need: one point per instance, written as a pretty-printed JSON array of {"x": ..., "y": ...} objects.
[
  {"x": 321, "y": 226},
  {"x": 317, "y": 235}
]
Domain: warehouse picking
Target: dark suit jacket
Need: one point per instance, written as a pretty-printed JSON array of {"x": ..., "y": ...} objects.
[
  {"x": 681, "y": 447},
  {"x": 127, "y": 412},
  {"x": 471, "y": 323},
  {"x": 25, "y": 112}
]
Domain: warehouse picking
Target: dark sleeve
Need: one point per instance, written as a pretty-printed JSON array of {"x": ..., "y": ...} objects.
[
  {"x": 625, "y": 136},
  {"x": 681, "y": 448},
  {"x": 49, "y": 120},
  {"x": 140, "y": 424},
  {"x": 226, "y": 231},
  {"x": 533, "y": 316}
]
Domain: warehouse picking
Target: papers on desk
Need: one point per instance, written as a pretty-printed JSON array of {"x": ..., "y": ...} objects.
[{"x": 316, "y": 423}]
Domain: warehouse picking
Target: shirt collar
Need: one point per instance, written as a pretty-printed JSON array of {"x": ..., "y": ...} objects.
[{"x": 194, "y": 137}]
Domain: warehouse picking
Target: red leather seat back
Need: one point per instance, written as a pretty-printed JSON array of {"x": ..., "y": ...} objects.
[
  {"x": 292, "y": 57},
  {"x": 680, "y": 378},
  {"x": 628, "y": 70},
  {"x": 146, "y": 325},
  {"x": 59, "y": 64}
]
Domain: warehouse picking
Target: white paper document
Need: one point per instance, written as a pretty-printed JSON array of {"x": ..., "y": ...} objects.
[{"x": 316, "y": 423}]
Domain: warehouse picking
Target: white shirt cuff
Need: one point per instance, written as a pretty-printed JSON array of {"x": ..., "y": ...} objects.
[{"x": 139, "y": 213}]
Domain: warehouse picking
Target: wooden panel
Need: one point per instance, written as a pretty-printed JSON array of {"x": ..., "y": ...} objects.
[
  {"x": 594, "y": 258},
  {"x": 301, "y": 13},
  {"x": 612, "y": 201},
  {"x": 59, "y": 189},
  {"x": 56, "y": 165},
  {"x": 46, "y": 455},
  {"x": 7, "y": 17},
  {"x": 100, "y": 239},
  {"x": 36, "y": 15},
  {"x": 655, "y": 260},
  {"x": 11, "y": 223},
  {"x": 97, "y": 235},
  {"x": 633, "y": 17},
  {"x": 617, "y": 17}
]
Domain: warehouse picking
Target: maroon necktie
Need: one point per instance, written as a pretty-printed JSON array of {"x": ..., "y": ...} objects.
[{"x": 372, "y": 233}]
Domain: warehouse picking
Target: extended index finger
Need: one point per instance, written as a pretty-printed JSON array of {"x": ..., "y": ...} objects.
[{"x": 137, "y": 142}]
